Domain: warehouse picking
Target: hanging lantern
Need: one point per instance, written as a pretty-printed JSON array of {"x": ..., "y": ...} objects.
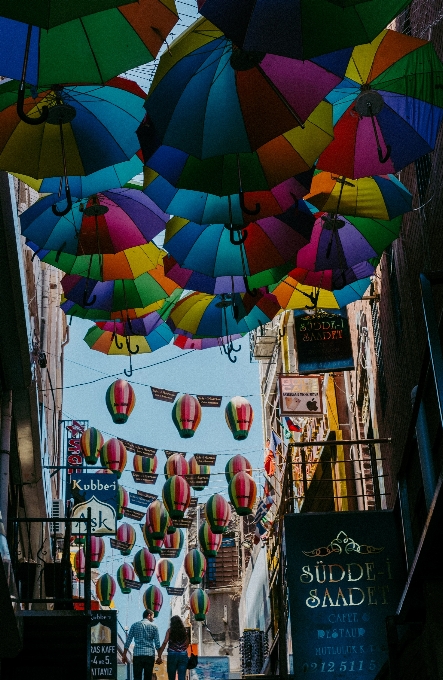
[
  {"x": 199, "y": 603},
  {"x": 113, "y": 456},
  {"x": 209, "y": 541},
  {"x": 171, "y": 528},
  {"x": 157, "y": 519},
  {"x": 144, "y": 463},
  {"x": 197, "y": 469},
  {"x": 242, "y": 492},
  {"x": 125, "y": 571},
  {"x": 176, "y": 465},
  {"x": 176, "y": 496},
  {"x": 237, "y": 464},
  {"x": 186, "y": 415},
  {"x": 154, "y": 544},
  {"x": 90, "y": 443},
  {"x": 175, "y": 541},
  {"x": 144, "y": 565},
  {"x": 120, "y": 400},
  {"x": 164, "y": 570},
  {"x": 217, "y": 513},
  {"x": 239, "y": 417},
  {"x": 122, "y": 501},
  {"x": 97, "y": 551},
  {"x": 195, "y": 565},
  {"x": 80, "y": 564},
  {"x": 126, "y": 534},
  {"x": 105, "y": 589},
  {"x": 153, "y": 599}
]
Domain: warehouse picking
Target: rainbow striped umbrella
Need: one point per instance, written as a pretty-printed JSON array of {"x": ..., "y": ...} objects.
[
  {"x": 293, "y": 295},
  {"x": 186, "y": 343},
  {"x": 113, "y": 344}
]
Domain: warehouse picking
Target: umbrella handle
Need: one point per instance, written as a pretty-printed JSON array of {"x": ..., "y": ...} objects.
[
  {"x": 128, "y": 345},
  {"x": 114, "y": 337},
  {"x": 21, "y": 112},
  {"x": 86, "y": 302},
  {"x": 248, "y": 211},
  {"x": 232, "y": 229},
  {"x": 250, "y": 291},
  {"x": 384, "y": 159},
  {"x": 61, "y": 213},
  {"x": 128, "y": 373},
  {"x": 229, "y": 351}
]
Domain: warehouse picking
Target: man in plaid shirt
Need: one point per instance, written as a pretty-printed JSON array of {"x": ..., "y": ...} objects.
[{"x": 147, "y": 640}]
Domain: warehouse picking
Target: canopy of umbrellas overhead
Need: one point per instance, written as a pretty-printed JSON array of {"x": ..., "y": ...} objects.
[{"x": 266, "y": 149}]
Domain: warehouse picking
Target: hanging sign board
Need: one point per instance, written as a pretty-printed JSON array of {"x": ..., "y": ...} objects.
[
  {"x": 130, "y": 513},
  {"x": 135, "y": 499},
  {"x": 175, "y": 591},
  {"x": 169, "y": 552},
  {"x": 197, "y": 480},
  {"x": 103, "y": 645},
  {"x": 193, "y": 502},
  {"x": 144, "y": 477},
  {"x": 139, "y": 449},
  {"x": 205, "y": 458},
  {"x": 209, "y": 400},
  {"x": 119, "y": 545},
  {"x": 323, "y": 342},
  {"x": 346, "y": 576},
  {"x": 300, "y": 395},
  {"x": 134, "y": 585},
  {"x": 183, "y": 523},
  {"x": 99, "y": 493},
  {"x": 145, "y": 494},
  {"x": 163, "y": 395}
]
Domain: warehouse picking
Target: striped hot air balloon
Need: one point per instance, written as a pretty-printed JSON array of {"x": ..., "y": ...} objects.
[
  {"x": 154, "y": 544},
  {"x": 113, "y": 456},
  {"x": 176, "y": 465},
  {"x": 104, "y": 471},
  {"x": 126, "y": 534},
  {"x": 217, "y": 513},
  {"x": 199, "y": 603},
  {"x": 175, "y": 541},
  {"x": 237, "y": 464},
  {"x": 157, "y": 519},
  {"x": 195, "y": 565},
  {"x": 153, "y": 599},
  {"x": 164, "y": 570},
  {"x": 239, "y": 416},
  {"x": 105, "y": 589},
  {"x": 97, "y": 551},
  {"x": 144, "y": 565},
  {"x": 197, "y": 469},
  {"x": 125, "y": 571},
  {"x": 209, "y": 541},
  {"x": 120, "y": 400},
  {"x": 242, "y": 493},
  {"x": 186, "y": 415},
  {"x": 90, "y": 443},
  {"x": 144, "y": 463},
  {"x": 122, "y": 501},
  {"x": 80, "y": 564},
  {"x": 176, "y": 496}
]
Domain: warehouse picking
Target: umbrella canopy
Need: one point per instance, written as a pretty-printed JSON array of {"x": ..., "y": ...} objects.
[
  {"x": 206, "y": 208},
  {"x": 334, "y": 279},
  {"x": 293, "y": 295},
  {"x": 210, "y": 98},
  {"x": 388, "y": 109},
  {"x": 382, "y": 197},
  {"x": 290, "y": 154},
  {"x": 203, "y": 343},
  {"x": 48, "y": 13},
  {"x": 90, "y": 49},
  {"x": 109, "y": 342},
  {"x": 160, "y": 307}
]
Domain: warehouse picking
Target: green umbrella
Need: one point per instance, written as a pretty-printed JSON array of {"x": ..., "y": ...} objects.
[{"x": 49, "y": 13}]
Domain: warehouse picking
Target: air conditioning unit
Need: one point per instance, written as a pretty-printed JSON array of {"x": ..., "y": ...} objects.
[{"x": 58, "y": 510}]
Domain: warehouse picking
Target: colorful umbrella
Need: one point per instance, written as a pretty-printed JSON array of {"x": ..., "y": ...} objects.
[
  {"x": 204, "y": 343},
  {"x": 294, "y": 29},
  {"x": 388, "y": 109},
  {"x": 382, "y": 197},
  {"x": 293, "y": 295},
  {"x": 47, "y": 13},
  {"x": 159, "y": 308},
  {"x": 334, "y": 279},
  {"x": 125, "y": 345}
]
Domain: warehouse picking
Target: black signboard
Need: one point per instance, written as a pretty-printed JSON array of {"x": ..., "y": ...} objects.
[
  {"x": 168, "y": 453},
  {"x": 169, "y": 552},
  {"x": 205, "y": 458},
  {"x": 144, "y": 477},
  {"x": 345, "y": 576},
  {"x": 130, "y": 513},
  {"x": 197, "y": 480},
  {"x": 163, "y": 395},
  {"x": 183, "y": 523},
  {"x": 209, "y": 400},
  {"x": 97, "y": 493},
  {"x": 135, "y": 585},
  {"x": 323, "y": 341},
  {"x": 175, "y": 591},
  {"x": 119, "y": 545},
  {"x": 103, "y": 650},
  {"x": 193, "y": 502},
  {"x": 139, "y": 449},
  {"x": 136, "y": 499}
]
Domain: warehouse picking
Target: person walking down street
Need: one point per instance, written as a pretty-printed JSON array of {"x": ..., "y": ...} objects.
[
  {"x": 147, "y": 640},
  {"x": 178, "y": 641}
]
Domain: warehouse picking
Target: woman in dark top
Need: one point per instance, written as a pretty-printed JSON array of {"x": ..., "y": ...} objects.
[{"x": 178, "y": 640}]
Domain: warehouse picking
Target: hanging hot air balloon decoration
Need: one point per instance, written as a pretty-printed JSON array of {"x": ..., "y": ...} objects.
[
  {"x": 97, "y": 551},
  {"x": 91, "y": 442},
  {"x": 175, "y": 541},
  {"x": 144, "y": 463},
  {"x": 239, "y": 417},
  {"x": 164, "y": 570},
  {"x": 120, "y": 400},
  {"x": 125, "y": 571},
  {"x": 209, "y": 541},
  {"x": 113, "y": 456},
  {"x": 104, "y": 471},
  {"x": 105, "y": 589},
  {"x": 80, "y": 564},
  {"x": 195, "y": 565},
  {"x": 186, "y": 415},
  {"x": 154, "y": 544},
  {"x": 176, "y": 465},
  {"x": 157, "y": 519},
  {"x": 242, "y": 493},
  {"x": 176, "y": 496},
  {"x": 122, "y": 501},
  {"x": 217, "y": 513},
  {"x": 197, "y": 469},
  {"x": 153, "y": 599},
  {"x": 237, "y": 464},
  {"x": 144, "y": 565},
  {"x": 199, "y": 603},
  {"x": 126, "y": 534}
]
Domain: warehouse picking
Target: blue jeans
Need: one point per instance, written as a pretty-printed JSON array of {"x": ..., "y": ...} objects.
[{"x": 177, "y": 663}]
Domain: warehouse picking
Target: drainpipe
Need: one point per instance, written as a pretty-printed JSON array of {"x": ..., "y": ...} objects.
[
  {"x": 5, "y": 449},
  {"x": 425, "y": 452}
]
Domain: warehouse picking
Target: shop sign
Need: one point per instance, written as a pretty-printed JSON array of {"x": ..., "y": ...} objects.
[
  {"x": 103, "y": 645},
  {"x": 323, "y": 342},
  {"x": 300, "y": 395},
  {"x": 99, "y": 493}
]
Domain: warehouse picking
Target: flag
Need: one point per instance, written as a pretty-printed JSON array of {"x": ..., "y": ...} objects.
[
  {"x": 261, "y": 511},
  {"x": 274, "y": 442},
  {"x": 260, "y": 533},
  {"x": 292, "y": 427}
]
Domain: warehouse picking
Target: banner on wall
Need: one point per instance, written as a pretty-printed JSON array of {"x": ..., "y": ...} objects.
[
  {"x": 300, "y": 395},
  {"x": 323, "y": 341}
]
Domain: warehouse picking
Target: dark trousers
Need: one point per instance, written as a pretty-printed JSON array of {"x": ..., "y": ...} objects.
[{"x": 143, "y": 663}]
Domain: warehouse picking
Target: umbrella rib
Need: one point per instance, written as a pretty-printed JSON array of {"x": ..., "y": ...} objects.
[{"x": 92, "y": 51}]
